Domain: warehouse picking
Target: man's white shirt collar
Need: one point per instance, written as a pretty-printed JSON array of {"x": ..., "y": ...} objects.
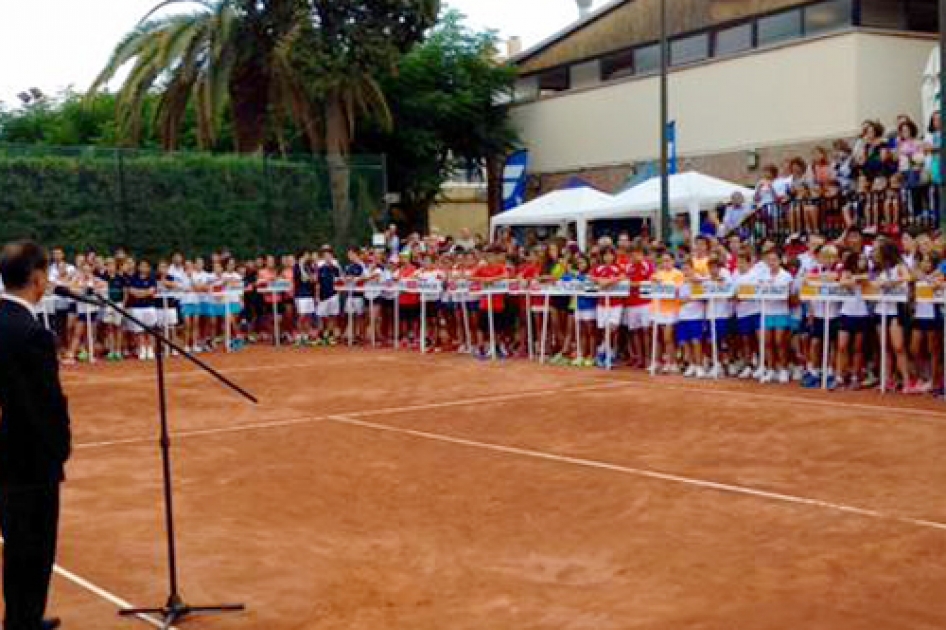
[{"x": 18, "y": 300}]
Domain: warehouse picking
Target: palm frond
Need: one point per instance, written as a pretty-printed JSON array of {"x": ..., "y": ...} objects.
[
  {"x": 207, "y": 4},
  {"x": 172, "y": 104},
  {"x": 376, "y": 104},
  {"x": 220, "y": 58},
  {"x": 179, "y": 35},
  {"x": 127, "y": 49},
  {"x": 206, "y": 125}
]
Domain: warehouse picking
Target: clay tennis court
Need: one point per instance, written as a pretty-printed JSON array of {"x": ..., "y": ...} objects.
[{"x": 380, "y": 490}]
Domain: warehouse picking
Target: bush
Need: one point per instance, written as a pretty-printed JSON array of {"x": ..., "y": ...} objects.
[{"x": 156, "y": 203}]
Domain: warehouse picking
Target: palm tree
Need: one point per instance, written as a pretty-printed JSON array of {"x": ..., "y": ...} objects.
[
  {"x": 312, "y": 62},
  {"x": 231, "y": 55},
  {"x": 349, "y": 60}
]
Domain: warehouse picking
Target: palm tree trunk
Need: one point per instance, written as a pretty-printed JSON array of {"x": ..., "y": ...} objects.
[
  {"x": 338, "y": 144},
  {"x": 249, "y": 93}
]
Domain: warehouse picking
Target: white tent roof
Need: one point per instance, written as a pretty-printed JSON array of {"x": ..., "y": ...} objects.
[
  {"x": 559, "y": 206},
  {"x": 689, "y": 192}
]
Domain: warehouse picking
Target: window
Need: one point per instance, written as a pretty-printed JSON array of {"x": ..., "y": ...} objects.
[
  {"x": 617, "y": 65},
  {"x": 733, "y": 40},
  {"x": 689, "y": 49},
  {"x": 827, "y": 16},
  {"x": 901, "y": 15},
  {"x": 883, "y": 14},
  {"x": 780, "y": 27},
  {"x": 922, "y": 15},
  {"x": 555, "y": 80},
  {"x": 647, "y": 59}
]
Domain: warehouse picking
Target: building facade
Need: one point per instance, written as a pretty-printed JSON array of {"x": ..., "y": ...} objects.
[{"x": 752, "y": 82}]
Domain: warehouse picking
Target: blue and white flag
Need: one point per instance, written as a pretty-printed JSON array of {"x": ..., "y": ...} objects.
[
  {"x": 672, "y": 146},
  {"x": 514, "y": 179}
]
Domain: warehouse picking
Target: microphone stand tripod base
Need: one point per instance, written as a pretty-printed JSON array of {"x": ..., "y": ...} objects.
[{"x": 177, "y": 610}]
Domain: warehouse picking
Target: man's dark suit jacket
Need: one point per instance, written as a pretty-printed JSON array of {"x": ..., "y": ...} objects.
[{"x": 35, "y": 437}]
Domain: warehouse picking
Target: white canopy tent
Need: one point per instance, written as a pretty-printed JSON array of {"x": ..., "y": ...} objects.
[
  {"x": 557, "y": 208},
  {"x": 690, "y": 193}
]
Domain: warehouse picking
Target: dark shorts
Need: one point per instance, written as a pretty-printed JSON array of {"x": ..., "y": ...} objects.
[
  {"x": 724, "y": 327},
  {"x": 817, "y": 328},
  {"x": 855, "y": 325},
  {"x": 748, "y": 325},
  {"x": 891, "y": 319},
  {"x": 691, "y": 330},
  {"x": 409, "y": 311},
  {"x": 560, "y": 302},
  {"x": 500, "y": 318},
  {"x": 928, "y": 325}
]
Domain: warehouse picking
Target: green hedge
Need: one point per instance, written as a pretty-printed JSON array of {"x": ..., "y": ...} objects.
[{"x": 155, "y": 203}]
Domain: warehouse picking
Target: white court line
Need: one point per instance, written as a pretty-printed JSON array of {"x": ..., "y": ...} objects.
[
  {"x": 602, "y": 385},
  {"x": 405, "y": 358},
  {"x": 274, "y": 424},
  {"x": 937, "y": 417},
  {"x": 100, "y": 592},
  {"x": 639, "y": 472},
  {"x": 109, "y": 597},
  {"x": 288, "y": 422},
  {"x": 86, "y": 378}
]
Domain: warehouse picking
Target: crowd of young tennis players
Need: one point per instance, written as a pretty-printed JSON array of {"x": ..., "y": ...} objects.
[{"x": 547, "y": 301}]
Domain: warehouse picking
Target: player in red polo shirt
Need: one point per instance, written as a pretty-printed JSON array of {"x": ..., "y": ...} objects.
[
  {"x": 409, "y": 303},
  {"x": 637, "y": 309},
  {"x": 488, "y": 274},
  {"x": 529, "y": 271},
  {"x": 606, "y": 275},
  {"x": 625, "y": 245}
]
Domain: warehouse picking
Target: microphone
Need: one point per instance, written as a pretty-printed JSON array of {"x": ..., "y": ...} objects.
[{"x": 87, "y": 298}]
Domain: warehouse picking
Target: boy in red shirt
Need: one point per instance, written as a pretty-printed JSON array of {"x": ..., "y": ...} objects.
[
  {"x": 529, "y": 272},
  {"x": 625, "y": 246},
  {"x": 493, "y": 270},
  {"x": 408, "y": 302},
  {"x": 610, "y": 310},
  {"x": 637, "y": 309}
]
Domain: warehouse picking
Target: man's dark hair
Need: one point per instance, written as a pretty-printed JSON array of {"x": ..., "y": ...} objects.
[{"x": 19, "y": 260}]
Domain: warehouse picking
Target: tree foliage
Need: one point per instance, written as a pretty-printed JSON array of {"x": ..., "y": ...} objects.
[
  {"x": 364, "y": 83},
  {"x": 64, "y": 120},
  {"x": 226, "y": 55},
  {"x": 446, "y": 101}
]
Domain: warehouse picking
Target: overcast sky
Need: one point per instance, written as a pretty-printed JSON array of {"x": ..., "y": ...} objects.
[{"x": 51, "y": 44}]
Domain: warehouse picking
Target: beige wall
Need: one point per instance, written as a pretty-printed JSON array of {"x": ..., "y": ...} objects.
[
  {"x": 890, "y": 71},
  {"x": 458, "y": 208},
  {"x": 810, "y": 90}
]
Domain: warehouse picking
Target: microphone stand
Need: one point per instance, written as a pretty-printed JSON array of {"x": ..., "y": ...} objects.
[{"x": 176, "y": 609}]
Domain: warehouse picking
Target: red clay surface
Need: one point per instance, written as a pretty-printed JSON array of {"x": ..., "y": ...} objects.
[{"x": 379, "y": 490}]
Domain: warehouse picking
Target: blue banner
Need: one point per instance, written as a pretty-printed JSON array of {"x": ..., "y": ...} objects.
[
  {"x": 514, "y": 179},
  {"x": 672, "y": 142}
]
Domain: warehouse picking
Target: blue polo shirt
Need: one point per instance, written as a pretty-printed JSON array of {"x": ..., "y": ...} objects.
[
  {"x": 328, "y": 274},
  {"x": 137, "y": 282},
  {"x": 304, "y": 288}
]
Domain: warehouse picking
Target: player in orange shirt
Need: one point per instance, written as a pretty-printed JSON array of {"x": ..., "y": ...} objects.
[{"x": 667, "y": 312}]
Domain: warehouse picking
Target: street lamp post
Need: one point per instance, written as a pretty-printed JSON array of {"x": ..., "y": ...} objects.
[{"x": 664, "y": 124}]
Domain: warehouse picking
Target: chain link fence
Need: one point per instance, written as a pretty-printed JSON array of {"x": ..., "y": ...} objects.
[{"x": 154, "y": 203}]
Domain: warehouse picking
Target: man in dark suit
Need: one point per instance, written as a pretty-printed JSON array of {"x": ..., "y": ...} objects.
[{"x": 34, "y": 439}]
